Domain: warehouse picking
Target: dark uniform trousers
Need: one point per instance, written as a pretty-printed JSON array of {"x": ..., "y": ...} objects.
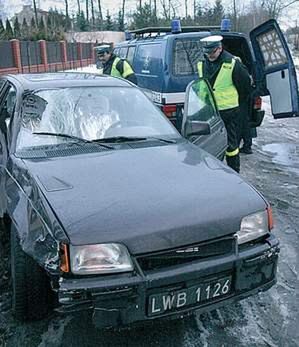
[{"x": 231, "y": 119}]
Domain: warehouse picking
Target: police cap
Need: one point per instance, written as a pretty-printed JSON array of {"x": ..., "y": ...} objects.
[
  {"x": 210, "y": 43},
  {"x": 103, "y": 49}
]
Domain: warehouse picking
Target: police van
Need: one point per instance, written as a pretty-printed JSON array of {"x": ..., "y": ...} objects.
[{"x": 165, "y": 62}]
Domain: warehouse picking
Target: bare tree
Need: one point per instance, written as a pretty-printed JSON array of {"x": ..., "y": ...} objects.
[
  {"x": 35, "y": 12},
  {"x": 186, "y": 8},
  {"x": 165, "y": 8},
  {"x": 275, "y": 7},
  {"x": 66, "y": 11},
  {"x": 174, "y": 6},
  {"x": 100, "y": 11},
  {"x": 87, "y": 9},
  {"x": 79, "y": 7},
  {"x": 123, "y": 11},
  {"x": 92, "y": 14},
  {"x": 155, "y": 11},
  {"x": 235, "y": 16}
]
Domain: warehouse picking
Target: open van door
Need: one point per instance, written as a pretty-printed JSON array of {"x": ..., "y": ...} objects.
[{"x": 276, "y": 74}]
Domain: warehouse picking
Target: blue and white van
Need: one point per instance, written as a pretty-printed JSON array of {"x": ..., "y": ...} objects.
[{"x": 166, "y": 62}]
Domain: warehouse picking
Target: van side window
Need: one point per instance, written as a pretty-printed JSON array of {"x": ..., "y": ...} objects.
[
  {"x": 186, "y": 55},
  {"x": 123, "y": 52},
  {"x": 130, "y": 56},
  {"x": 272, "y": 49},
  {"x": 148, "y": 59}
]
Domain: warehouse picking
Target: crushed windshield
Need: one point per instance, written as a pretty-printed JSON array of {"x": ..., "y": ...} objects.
[{"x": 90, "y": 113}]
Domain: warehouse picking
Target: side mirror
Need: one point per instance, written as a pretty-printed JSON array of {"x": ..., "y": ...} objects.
[{"x": 196, "y": 127}]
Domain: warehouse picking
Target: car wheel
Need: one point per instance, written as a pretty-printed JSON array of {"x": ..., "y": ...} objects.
[{"x": 30, "y": 284}]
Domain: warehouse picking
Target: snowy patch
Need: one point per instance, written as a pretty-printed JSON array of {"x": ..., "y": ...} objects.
[{"x": 87, "y": 69}]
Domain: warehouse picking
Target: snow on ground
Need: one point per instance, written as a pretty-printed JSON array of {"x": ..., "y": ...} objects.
[{"x": 87, "y": 69}]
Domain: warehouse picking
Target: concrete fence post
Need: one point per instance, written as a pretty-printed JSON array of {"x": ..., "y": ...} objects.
[
  {"x": 43, "y": 53},
  {"x": 63, "y": 54},
  {"x": 16, "y": 53},
  {"x": 93, "y": 53},
  {"x": 79, "y": 53}
]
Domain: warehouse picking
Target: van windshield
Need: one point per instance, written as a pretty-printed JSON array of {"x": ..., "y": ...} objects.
[{"x": 187, "y": 53}]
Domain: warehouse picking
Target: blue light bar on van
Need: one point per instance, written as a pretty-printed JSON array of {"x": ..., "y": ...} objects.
[
  {"x": 225, "y": 24},
  {"x": 176, "y": 26},
  {"x": 128, "y": 35}
]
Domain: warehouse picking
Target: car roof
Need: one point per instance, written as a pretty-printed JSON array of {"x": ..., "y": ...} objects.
[{"x": 66, "y": 79}]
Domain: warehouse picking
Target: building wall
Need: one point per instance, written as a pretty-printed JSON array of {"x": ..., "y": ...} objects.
[{"x": 95, "y": 36}]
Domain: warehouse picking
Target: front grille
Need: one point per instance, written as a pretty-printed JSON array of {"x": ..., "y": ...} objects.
[{"x": 187, "y": 254}]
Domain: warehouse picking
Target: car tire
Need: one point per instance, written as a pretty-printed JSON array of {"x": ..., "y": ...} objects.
[{"x": 30, "y": 284}]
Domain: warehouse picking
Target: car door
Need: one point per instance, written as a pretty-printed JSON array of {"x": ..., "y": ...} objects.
[
  {"x": 200, "y": 112},
  {"x": 276, "y": 72},
  {"x": 7, "y": 105}
]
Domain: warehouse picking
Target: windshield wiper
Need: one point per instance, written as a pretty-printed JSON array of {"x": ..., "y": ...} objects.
[
  {"x": 116, "y": 139},
  {"x": 78, "y": 139},
  {"x": 161, "y": 139}
]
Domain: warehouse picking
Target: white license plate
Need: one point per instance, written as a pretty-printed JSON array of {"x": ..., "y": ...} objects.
[
  {"x": 156, "y": 97},
  {"x": 192, "y": 296}
]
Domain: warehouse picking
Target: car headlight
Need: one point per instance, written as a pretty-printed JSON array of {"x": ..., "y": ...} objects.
[
  {"x": 99, "y": 259},
  {"x": 254, "y": 226}
]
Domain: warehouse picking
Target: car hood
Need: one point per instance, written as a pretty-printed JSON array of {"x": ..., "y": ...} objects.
[{"x": 149, "y": 199}]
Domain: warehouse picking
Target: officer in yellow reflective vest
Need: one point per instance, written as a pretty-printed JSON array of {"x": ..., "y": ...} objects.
[
  {"x": 230, "y": 82},
  {"x": 113, "y": 65}
]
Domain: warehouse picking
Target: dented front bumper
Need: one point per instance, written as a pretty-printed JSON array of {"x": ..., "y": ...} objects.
[{"x": 124, "y": 299}]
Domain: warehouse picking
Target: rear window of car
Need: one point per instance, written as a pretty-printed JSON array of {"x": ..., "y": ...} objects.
[
  {"x": 148, "y": 59},
  {"x": 186, "y": 55}
]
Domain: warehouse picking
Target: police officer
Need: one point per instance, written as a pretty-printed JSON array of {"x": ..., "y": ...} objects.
[
  {"x": 113, "y": 65},
  {"x": 230, "y": 82}
]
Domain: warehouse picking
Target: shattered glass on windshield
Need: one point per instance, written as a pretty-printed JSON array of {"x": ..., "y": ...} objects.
[{"x": 89, "y": 113}]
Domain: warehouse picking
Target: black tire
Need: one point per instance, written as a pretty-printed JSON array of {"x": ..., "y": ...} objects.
[{"x": 30, "y": 284}]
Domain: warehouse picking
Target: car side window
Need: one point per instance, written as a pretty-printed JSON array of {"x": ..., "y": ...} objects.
[
  {"x": 201, "y": 105},
  {"x": 130, "y": 55}
]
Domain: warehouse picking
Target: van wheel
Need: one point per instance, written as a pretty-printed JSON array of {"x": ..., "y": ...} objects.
[{"x": 30, "y": 284}]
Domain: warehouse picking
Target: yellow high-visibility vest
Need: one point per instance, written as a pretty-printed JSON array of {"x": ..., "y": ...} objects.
[
  {"x": 127, "y": 69},
  {"x": 225, "y": 92}
]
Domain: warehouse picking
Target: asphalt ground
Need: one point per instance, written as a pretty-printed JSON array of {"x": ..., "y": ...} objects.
[{"x": 267, "y": 319}]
